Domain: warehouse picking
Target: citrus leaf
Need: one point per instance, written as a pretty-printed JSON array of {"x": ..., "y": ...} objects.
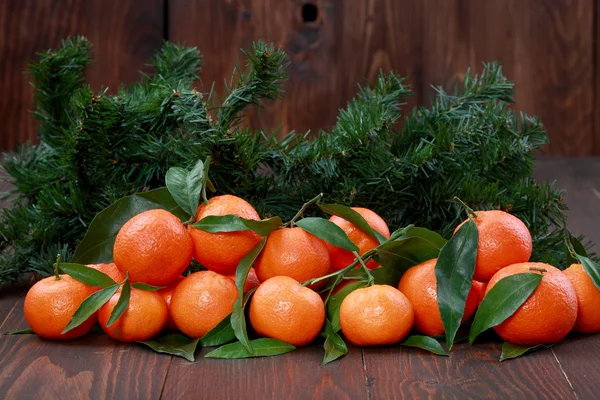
[
  {"x": 335, "y": 302},
  {"x": 411, "y": 247},
  {"x": 334, "y": 345},
  {"x": 238, "y": 319},
  {"x": 425, "y": 343},
  {"x": 353, "y": 217},
  {"x": 185, "y": 186},
  {"x": 578, "y": 247},
  {"x": 510, "y": 350},
  {"x": 591, "y": 268},
  {"x": 97, "y": 244},
  {"x": 328, "y": 231},
  {"x": 146, "y": 287},
  {"x": 87, "y": 275},
  {"x": 264, "y": 226},
  {"x": 122, "y": 303},
  {"x": 233, "y": 223},
  {"x": 220, "y": 223},
  {"x": 21, "y": 332},
  {"x": 454, "y": 273},
  {"x": 220, "y": 334},
  {"x": 507, "y": 295},
  {"x": 260, "y": 348},
  {"x": 175, "y": 344},
  {"x": 90, "y": 305}
]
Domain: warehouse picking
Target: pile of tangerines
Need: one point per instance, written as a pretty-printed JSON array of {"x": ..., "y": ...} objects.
[{"x": 154, "y": 248}]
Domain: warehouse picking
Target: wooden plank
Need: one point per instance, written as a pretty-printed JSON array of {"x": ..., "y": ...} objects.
[
  {"x": 580, "y": 178},
  {"x": 346, "y": 43},
  {"x": 10, "y": 293},
  {"x": 578, "y": 358},
  {"x": 125, "y": 34},
  {"x": 470, "y": 372},
  {"x": 547, "y": 48},
  {"x": 299, "y": 374},
  {"x": 93, "y": 367}
]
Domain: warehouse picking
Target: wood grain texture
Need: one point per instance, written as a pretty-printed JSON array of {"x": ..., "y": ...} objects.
[
  {"x": 346, "y": 44},
  {"x": 580, "y": 178},
  {"x": 93, "y": 367},
  {"x": 296, "y": 375},
  {"x": 547, "y": 48},
  {"x": 125, "y": 34},
  {"x": 469, "y": 372},
  {"x": 578, "y": 358}
]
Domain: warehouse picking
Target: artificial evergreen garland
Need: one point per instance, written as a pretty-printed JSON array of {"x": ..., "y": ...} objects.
[{"x": 96, "y": 148}]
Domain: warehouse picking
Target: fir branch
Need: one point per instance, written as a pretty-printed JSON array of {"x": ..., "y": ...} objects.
[
  {"x": 55, "y": 77},
  {"x": 262, "y": 79},
  {"x": 176, "y": 64}
]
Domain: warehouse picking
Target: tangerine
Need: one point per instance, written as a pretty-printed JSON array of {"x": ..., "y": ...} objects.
[
  {"x": 341, "y": 258},
  {"x": 222, "y": 252},
  {"x": 50, "y": 304},
  {"x": 376, "y": 315},
  {"x": 295, "y": 253},
  {"x": 167, "y": 294},
  {"x": 201, "y": 301},
  {"x": 548, "y": 315},
  {"x": 588, "y": 300},
  {"x": 145, "y": 316},
  {"x": 154, "y": 247},
  {"x": 283, "y": 309},
  {"x": 503, "y": 240},
  {"x": 419, "y": 284}
]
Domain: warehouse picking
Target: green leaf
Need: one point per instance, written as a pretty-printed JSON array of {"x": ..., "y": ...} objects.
[
  {"x": 238, "y": 319},
  {"x": 122, "y": 303},
  {"x": 264, "y": 226},
  {"x": 354, "y": 218},
  {"x": 592, "y": 269},
  {"x": 335, "y": 302},
  {"x": 185, "y": 186},
  {"x": 507, "y": 295},
  {"x": 510, "y": 350},
  {"x": 328, "y": 231},
  {"x": 454, "y": 274},
  {"x": 220, "y": 223},
  {"x": 233, "y": 223},
  {"x": 90, "y": 305},
  {"x": 578, "y": 247},
  {"x": 334, "y": 345},
  {"x": 97, "y": 244},
  {"x": 220, "y": 334},
  {"x": 87, "y": 275},
  {"x": 21, "y": 332},
  {"x": 175, "y": 344},
  {"x": 146, "y": 287},
  {"x": 411, "y": 247},
  {"x": 425, "y": 343},
  {"x": 260, "y": 348}
]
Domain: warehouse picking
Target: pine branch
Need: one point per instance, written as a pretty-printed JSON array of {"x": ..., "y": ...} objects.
[
  {"x": 262, "y": 79},
  {"x": 55, "y": 77}
]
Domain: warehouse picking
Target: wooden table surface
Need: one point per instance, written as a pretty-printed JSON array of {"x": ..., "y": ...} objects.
[{"x": 96, "y": 367}]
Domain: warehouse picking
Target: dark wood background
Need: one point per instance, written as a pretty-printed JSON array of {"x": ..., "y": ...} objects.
[{"x": 549, "y": 48}]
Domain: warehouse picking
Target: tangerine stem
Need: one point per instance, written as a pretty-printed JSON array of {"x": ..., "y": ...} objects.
[
  {"x": 337, "y": 280},
  {"x": 205, "y": 180},
  {"x": 466, "y": 207},
  {"x": 371, "y": 280},
  {"x": 303, "y": 209},
  {"x": 542, "y": 270},
  {"x": 56, "y": 265}
]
